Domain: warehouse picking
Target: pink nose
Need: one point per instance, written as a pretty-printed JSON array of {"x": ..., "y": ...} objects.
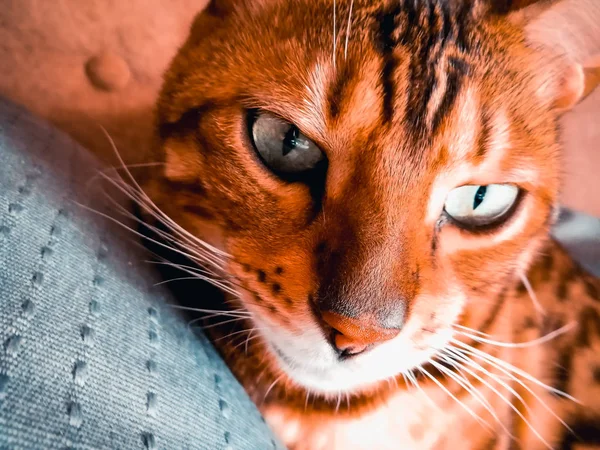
[{"x": 354, "y": 336}]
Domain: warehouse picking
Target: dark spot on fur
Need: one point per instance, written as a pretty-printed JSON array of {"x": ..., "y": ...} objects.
[
  {"x": 199, "y": 211},
  {"x": 262, "y": 276},
  {"x": 417, "y": 274},
  {"x": 562, "y": 371},
  {"x": 521, "y": 288},
  {"x": 257, "y": 298},
  {"x": 321, "y": 246},
  {"x": 288, "y": 301},
  {"x": 584, "y": 431},
  {"x": 285, "y": 321},
  {"x": 272, "y": 308},
  {"x": 596, "y": 374},
  {"x": 278, "y": 270},
  {"x": 276, "y": 288},
  {"x": 562, "y": 291},
  {"x": 499, "y": 301},
  {"x": 529, "y": 323},
  {"x": 246, "y": 267},
  {"x": 552, "y": 323},
  {"x": 589, "y": 326},
  {"x": 591, "y": 289}
]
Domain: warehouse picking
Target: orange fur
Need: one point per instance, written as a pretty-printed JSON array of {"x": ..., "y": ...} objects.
[{"x": 376, "y": 236}]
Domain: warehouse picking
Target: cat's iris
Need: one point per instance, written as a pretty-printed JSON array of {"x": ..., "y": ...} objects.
[
  {"x": 478, "y": 206},
  {"x": 282, "y": 147}
]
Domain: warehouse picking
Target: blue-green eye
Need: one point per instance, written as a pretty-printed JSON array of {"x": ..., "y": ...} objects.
[
  {"x": 282, "y": 147},
  {"x": 474, "y": 206}
]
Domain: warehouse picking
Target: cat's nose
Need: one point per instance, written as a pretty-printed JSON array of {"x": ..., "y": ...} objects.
[{"x": 352, "y": 336}]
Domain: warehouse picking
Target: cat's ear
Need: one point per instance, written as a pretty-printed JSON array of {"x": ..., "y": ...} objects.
[
  {"x": 216, "y": 11},
  {"x": 567, "y": 34},
  {"x": 221, "y": 8},
  {"x": 576, "y": 83}
]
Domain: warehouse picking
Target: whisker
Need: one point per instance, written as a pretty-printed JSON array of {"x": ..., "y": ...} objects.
[
  {"x": 272, "y": 386},
  {"x": 348, "y": 29},
  {"x": 534, "y": 342},
  {"x": 334, "y": 32},
  {"x": 491, "y": 359},
  {"x": 241, "y": 313},
  {"x": 514, "y": 408},
  {"x": 235, "y": 333},
  {"x": 512, "y": 377},
  {"x": 506, "y": 386},
  {"x": 199, "y": 257},
  {"x": 415, "y": 383},
  {"x": 339, "y": 402},
  {"x": 103, "y": 172},
  {"x": 536, "y": 304},
  {"x": 208, "y": 256},
  {"x": 247, "y": 340},
  {"x": 129, "y": 229},
  {"x": 452, "y": 396},
  {"x": 148, "y": 201},
  {"x": 466, "y": 385},
  {"x": 213, "y": 325}
]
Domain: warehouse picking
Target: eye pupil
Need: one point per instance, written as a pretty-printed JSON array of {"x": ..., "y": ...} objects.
[
  {"x": 479, "y": 196},
  {"x": 290, "y": 140}
]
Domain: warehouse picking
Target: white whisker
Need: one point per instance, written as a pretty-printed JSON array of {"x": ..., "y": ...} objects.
[
  {"x": 532, "y": 343},
  {"x": 509, "y": 367},
  {"x": 348, "y": 30},
  {"x": 452, "y": 396},
  {"x": 339, "y": 402},
  {"x": 334, "y": 32},
  {"x": 207, "y": 254},
  {"x": 464, "y": 383},
  {"x": 243, "y": 314},
  {"x": 148, "y": 203},
  {"x": 415, "y": 383},
  {"x": 536, "y": 304},
  {"x": 272, "y": 386},
  {"x": 512, "y": 377}
]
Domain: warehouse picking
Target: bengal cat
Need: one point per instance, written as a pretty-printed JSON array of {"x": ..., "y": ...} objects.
[{"x": 372, "y": 183}]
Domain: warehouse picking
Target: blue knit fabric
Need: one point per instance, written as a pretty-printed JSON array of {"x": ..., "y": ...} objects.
[{"x": 91, "y": 353}]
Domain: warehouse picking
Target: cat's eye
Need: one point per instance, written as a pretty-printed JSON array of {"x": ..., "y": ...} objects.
[
  {"x": 282, "y": 146},
  {"x": 480, "y": 206}
]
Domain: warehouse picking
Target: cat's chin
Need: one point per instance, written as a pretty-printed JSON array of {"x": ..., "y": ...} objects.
[{"x": 326, "y": 381}]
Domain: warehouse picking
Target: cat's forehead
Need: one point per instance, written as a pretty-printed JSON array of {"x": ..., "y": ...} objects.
[
  {"x": 406, "y": 66},
  {"x": 350, "y": 65}
]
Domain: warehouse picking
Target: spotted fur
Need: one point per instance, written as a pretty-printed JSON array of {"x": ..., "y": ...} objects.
[{"x": 408, "y": 99}]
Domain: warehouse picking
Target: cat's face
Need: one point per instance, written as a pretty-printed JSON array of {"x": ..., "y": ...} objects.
[{"x": 383, "y": 188}]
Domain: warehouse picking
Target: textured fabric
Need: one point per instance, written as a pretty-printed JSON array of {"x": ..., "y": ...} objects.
[
  {"x": 91, "y": 353},
  {"x": 580, "y": 234}
]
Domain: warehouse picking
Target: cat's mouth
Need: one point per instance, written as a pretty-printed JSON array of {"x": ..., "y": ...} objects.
[{"x": 311, "y": 362}]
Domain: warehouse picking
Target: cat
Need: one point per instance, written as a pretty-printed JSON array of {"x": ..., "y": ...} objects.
[{"x": 372, "y": 184}]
